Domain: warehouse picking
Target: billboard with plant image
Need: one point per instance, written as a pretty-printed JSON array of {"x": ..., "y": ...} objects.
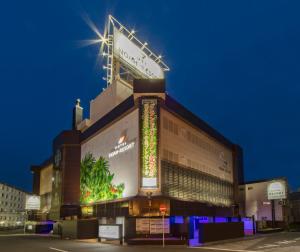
[{"x": 110, "y": 160}]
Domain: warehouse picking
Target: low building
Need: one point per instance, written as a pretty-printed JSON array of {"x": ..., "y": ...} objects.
[
  {"x": 12, "y": 206},
  {"x": 266, "y": 201},
  {"x": 294, "y": 200}
]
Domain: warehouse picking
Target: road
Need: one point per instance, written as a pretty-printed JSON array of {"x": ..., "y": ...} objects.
[{"x": 280, "y": 242}]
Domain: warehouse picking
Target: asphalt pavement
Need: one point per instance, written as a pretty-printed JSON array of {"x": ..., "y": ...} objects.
[{"x": 279, "y": 242}]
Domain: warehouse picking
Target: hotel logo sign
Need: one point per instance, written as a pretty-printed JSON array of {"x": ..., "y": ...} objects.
[
  {"x": 122, "y": 145},
  {"x": 135, "y": 58},
  {"x": 277, "y": 190},
  {"x": 33, "y": 202}
]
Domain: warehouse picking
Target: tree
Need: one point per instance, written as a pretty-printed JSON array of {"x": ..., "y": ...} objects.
[{"x": 96, "y": 180}]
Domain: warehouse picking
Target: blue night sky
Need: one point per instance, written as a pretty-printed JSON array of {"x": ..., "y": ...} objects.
[{"x": 233, "y": 63}]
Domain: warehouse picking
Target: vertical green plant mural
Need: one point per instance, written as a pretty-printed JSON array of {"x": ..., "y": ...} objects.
[
  {"x": 96, "y": 181},
  {"x": 149, "y": 143}
]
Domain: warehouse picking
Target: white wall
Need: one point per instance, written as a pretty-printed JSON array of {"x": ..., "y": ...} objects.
[
  {"x": 257, "y": 203},
  {"x": 124, "y": 164},
  {"x": 108, "y": 99}
]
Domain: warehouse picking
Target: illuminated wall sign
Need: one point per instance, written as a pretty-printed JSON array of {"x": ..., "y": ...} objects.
[
  {"x": 277, "y": 190},
  {"x": 134, "y": 57},
  {"x": 110, "y": 231},
  {"x": 122, "y": 146},
  {"x": 32, "y": 202},
  {"x": 118, "y": 144},
  {"x": 154, "y": 224},
  {"x": 149, "y": 143}
]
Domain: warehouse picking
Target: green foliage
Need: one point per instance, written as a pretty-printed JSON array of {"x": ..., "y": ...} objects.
[
  {"x": 149, "y": 140},
  {"x": 96, "y": 181}
]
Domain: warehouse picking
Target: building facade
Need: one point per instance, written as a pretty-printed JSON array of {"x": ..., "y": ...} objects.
[
  {"x": 140, "y": 151},
  {"x": 149, "y": 151},
  {"x": 267, "y": 201},
  {"x": 12, "y": 206},
  {"x": 43, "y": 183}
]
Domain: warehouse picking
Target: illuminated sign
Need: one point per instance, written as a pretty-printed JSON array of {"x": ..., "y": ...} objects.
[
  {"x": 149, "y": 143},
  {"x": 110, "y": 231},
  {"x": 277, "y": 190},
  {"x": 116, "y": 175},
  {"x": 156, "y": 225},
  {"x": 134, "y": 57},
  {"x": 122, "y": 146},
  {"x": 32, "y": 202}
]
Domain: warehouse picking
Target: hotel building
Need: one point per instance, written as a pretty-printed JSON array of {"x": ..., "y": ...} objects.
[
  {"x": 157, "y": 151},
  {"x": 139, "y": 150}
]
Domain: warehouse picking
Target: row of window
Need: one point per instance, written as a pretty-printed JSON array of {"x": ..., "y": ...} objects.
[
  {"x": 188, "y": 184},
  {"x": 189, "y": 136},
  {"x": 9, "y": 189},
  {"x": 171, "y": 156},
  {"x": 170, "y": 125},
  {"x": 5, "y": 203},
  {"x": 174, "y": 157},
  {"x": 10, "y": 210},
  {"x": 6, "y": 196}
]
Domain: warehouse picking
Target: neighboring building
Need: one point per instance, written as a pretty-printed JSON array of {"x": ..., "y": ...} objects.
[
  {"x": 12, "y": 206},
  {"x": 266, "y": 200},
  {"x": 294, "y": 200},
  {"x": 43, "y": 180}
]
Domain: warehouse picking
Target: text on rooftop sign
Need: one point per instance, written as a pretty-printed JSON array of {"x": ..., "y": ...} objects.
[{"x": 134, "y": 57}]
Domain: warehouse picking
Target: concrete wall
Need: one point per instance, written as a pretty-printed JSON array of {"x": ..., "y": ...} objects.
[
  {"x": 46, "y": 179},
  {"x": 79, "y": 229},
  {"x": 113, "y": 95},
  {"x": 209, "y": 232}
]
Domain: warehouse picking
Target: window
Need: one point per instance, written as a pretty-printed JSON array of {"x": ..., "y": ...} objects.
[
  {"x": 171, "y": 156},
  {"x": 170, "y": 126}
]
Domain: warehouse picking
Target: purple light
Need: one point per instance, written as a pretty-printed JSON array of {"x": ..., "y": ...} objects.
[
  {"x": 204, "y": 219},
  {"x": 178, "y": 219},
  {"x": 235, "y": 219},
  {"x": 248, "y": 226},
  {"x": 220, "y": 219}
]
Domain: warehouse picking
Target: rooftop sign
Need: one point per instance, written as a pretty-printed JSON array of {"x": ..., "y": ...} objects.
[
  {"x": 134, "y": 57},
  {"x": 126, "y": 56}
]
